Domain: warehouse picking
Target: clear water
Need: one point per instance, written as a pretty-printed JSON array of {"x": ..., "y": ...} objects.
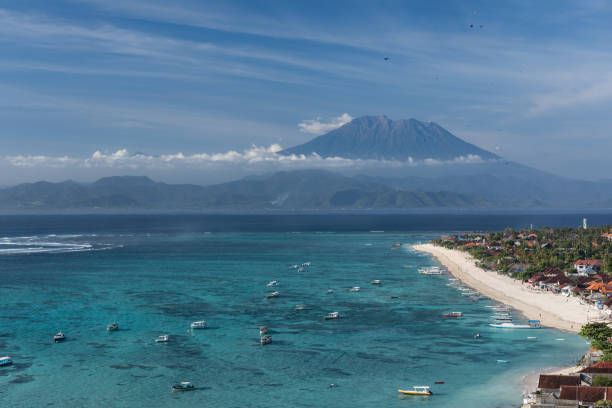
[{"x": 80, "y": 274}]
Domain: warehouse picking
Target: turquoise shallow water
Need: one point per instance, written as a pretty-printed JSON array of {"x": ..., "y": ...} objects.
[{"x": 154, "y": 283}]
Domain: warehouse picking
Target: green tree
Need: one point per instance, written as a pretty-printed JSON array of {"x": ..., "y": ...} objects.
[
  {"x": 597, "y": 332},
  {"x": 602, "y": 381}
]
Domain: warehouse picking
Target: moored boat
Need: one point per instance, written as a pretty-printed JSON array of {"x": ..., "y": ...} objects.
[
  {"x": 272, "y": 283},
  {"x": 332, "y": 316},
  {"x": 183, "y": 386},
  {"x": 112, "y": 327},
  {"x": 265, "y": 340},
  {"x": 59, "y": 337},
  {"x": 272, "y": 295},
  {"x": 417, "y": 390},
  {"x": 263, "y": 330},
  {"x": 453, "y": 314},
  {"x": 354, "y": 289},
  {"x": 164, "y": 338},
  {"x": 5, "y": 361},
  {"x": 299, "y": 307},
  {"x": 376, "y": 282},
  {"x": 201, "y": 324},
  {"x": 430, "y": 270}
]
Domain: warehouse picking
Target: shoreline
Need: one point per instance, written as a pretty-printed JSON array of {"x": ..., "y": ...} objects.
[{"x": 557, "y": 311}]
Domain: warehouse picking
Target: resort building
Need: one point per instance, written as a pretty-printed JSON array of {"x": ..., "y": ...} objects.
[{"x": 587, "y": 266}]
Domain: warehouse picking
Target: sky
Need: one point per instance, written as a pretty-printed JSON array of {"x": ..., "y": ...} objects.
[{"x": 202, "y": 91}]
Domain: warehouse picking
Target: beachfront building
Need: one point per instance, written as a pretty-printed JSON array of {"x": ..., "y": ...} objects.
[
  {"x": 548, "y": 384},
  {"x": 584, "y": 396},
  {"x": 587, "y": 266},
  {"x": 603, "y": 369}
]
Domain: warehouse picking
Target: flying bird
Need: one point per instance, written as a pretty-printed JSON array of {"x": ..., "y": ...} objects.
[{"x": 386, "y": 58}]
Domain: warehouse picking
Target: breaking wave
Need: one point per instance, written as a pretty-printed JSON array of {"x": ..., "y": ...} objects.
[{"x": 49, "y": 244}]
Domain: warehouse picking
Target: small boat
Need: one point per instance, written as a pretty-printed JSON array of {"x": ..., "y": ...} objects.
[
  {"x": 430, "y": 270},
  {"x": 330, "y": 291},
  {"x": 294, "y": 266},
  {"x": 272, "y": 295},
  {"x": 5, "y": 361},
  {"x": 531, "y": 338},
  {"x": 502, "y": 361},
  {"x": 376, "y": 282},
  {"x": 332, "y": 316},
  {"x": 477, "y": 336},
  {"x": 560, "y": 339},
  {"x": 164, "y": 338},
  {"x": 307, "y": 264},
  {"x": 198, "y": 325},
  {"x": 394, "y": 297},
  {"x": 300, "y": 307},
  {"x": 272, "y": 283},
  {"x": 59, "y": 337},
  {"x": 183, "y": 386},
  {"x": 263, "y": 330},
  {"x": 300, "y": 269},
  {"x": 112, "y": 327},
  {"x": 396, "y": 245},
  {"x": 354, "y": 289},
  {"x": 265, "y": 340},
  {"x": 453, "y": 314},
  {"x": 417, "y": 390},
  {"x": 533, "y": 324},
  {"x": 438, "y": 382}
]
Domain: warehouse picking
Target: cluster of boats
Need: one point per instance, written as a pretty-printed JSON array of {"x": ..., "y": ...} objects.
[
  {"x": 431, "y": 270},
  {"x": 503, "y": 319}
]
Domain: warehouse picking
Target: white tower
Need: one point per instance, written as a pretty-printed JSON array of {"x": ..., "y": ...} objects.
[{"x": 584, "y": 223}]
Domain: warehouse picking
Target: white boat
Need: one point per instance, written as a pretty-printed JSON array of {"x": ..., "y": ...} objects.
[
  {"x": 263, "y": 330},
  {"x": 301, "y": 269},
  {"x": 59, "y": 337},
  {"x": 533, "y": 324},
  {"x": 330, "y": 291},
  {"x": 183, "y": 386},
  {"x": 376, "y": 282},
  {"x": 272, "y": 295},
  {"x": 272, "y": 283},
  {"x": 430, "y": 270},
  {"x": 164, "y": 338},
  {"x": 112, "y": 327},
  {"x": 354, "y": 289},
  {"x": 265, "y": 340},
  {"x": 300, "y": 307},
  {"x": 198, "y": 325},
  {"x": 5, "y": 361},
  {"x": 332, "y": 316},
  {"x": 294, "y": 266},
  {"x": 307, "y": 264}
]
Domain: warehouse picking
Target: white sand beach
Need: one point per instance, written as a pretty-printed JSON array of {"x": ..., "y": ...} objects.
[{"x": 565, "y": 313}]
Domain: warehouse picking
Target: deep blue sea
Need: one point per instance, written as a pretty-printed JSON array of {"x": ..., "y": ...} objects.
[{"x": 154, "y": 274}]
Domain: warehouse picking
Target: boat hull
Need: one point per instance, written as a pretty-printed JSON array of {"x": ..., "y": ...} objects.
[{"x": 408, "y": 392}]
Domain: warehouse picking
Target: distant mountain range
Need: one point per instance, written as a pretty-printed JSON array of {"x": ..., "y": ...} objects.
[
  {"x": 491, "y": 182},
  {"x": 380, "y": 138},
  {"x": 294, "y": 190}
]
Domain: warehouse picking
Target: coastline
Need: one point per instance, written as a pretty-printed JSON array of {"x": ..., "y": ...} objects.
[{"x": 561, "y": 312}]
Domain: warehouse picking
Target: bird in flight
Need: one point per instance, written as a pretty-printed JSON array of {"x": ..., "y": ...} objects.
[{"x": 386, "y": 58}]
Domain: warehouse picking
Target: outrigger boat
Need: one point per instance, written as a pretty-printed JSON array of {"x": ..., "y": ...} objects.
[
  {"x": 272, "y": 295},
  {"x": 5, "y": 361},
  {"x": 198, "y": 325},
  {"x": 376, "y": 282},
  {"x": 112, "y": 327},
  {"x": 332, "y": 316},
  {"x": 430, "y": 270},
  {"x": 183, "y": 386},
  {"x": 417, "y": 390},
  {"x": 263, "y": 330},
  {"x": 272, "y": 283},
  {"x": 164, "y": 338},
  {"x": 59, "y": 337},
  {"x": 354, "y": 289},
  {"x": 453, "y": 314},
  {"x": 265, "y": 340}
]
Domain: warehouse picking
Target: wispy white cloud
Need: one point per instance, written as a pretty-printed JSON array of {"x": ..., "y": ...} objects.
[{"x": 317, "y": 127}]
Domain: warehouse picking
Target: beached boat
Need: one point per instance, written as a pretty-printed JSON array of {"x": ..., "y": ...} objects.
[
  {"x": 272, "y": 283},
  {"x": 112, "y": 327},
  {"x": 5, "y": 361},
  {"x": 263, "y": 330},
  {"x": 183, "y": 386},
  {"x": 265, "y": 340},
  {"x": 453, "y": 314},
  {"x": 201, "y": 324},
  {"x": 164, "y": 338},
  {"x": 354, "y": 289},
  {"x": 59, "y": 337},
  {"x": 417, "y": 390},
  {"x": 376, "y": 282},
  {"x": 272, "y": 295},
  {"x": 332, "y": 316}
]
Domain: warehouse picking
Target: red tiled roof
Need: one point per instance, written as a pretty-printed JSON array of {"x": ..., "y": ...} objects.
[
  {"x": 588, "y": 262},
  {"x": 585, "y": 394},
  {"x": 597, "y": 370},
  {"x": 556, "y": 381},
  {"x": 602, "y": 364}
]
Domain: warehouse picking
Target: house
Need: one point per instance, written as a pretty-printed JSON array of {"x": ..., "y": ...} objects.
[
  {"x": 553, "y": 383},
  {"x": 587, "y": 266},
  {"x": 607, "y": 236},
  {"x": 570, "y": 395}
]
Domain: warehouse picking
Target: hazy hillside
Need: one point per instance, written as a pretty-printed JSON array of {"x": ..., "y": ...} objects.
[{"x": 306, "y": 189}]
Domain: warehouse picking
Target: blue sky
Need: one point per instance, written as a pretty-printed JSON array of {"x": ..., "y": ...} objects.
[{"x": 195, "y": 78}]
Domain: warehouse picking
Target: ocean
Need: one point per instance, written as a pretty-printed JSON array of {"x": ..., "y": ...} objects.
[{"x": 156, "y": 273}]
